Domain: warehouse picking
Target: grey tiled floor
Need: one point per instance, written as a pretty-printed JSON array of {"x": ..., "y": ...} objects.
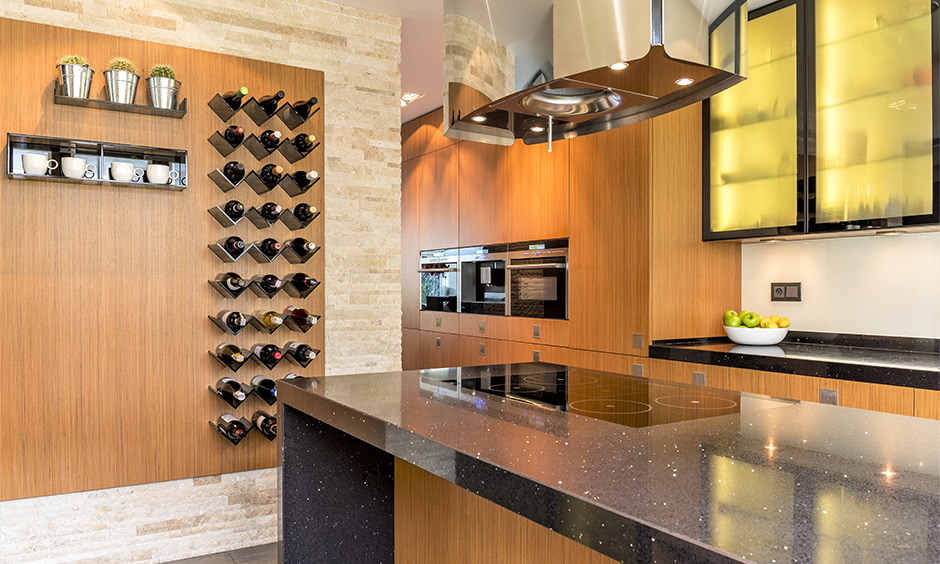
[{"x": 263, "y": 554}]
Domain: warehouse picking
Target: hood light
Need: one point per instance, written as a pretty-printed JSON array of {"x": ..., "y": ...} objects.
[
  {"x": 684, "y": 81},
  {"x": 478, "y": 119},
  {"x": 619, "y": 66}
]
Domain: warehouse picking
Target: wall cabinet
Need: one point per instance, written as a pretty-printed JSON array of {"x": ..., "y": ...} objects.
[
  {"x": 411, "y": 295},
  {"x": 437, "y": 199},
  {"x": 484, "y": 181},
  {"x": 536, "y": 196}
]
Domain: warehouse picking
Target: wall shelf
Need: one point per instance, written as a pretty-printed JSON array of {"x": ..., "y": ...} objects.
[
  {"x": 291, "y": 118},
  {"x": 117, "y": 106},
  {"x": 226, "y": 329},
  {"x": 291, "y": 153},
  {"x": 253, "y": 110},
  {"x": 222, "y": 181},
  {"x": 290, "y": 220}
]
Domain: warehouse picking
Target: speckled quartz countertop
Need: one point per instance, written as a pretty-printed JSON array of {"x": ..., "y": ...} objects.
[{"x": 643, "y": 470}]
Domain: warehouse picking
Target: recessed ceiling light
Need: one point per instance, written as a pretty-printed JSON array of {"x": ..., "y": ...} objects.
[
  {"x": 619, "y": 66},
  {"x": 537, "y": 128},
  {"x": 684, "y": 81},
  {"x": 478, "y": 119},
  {"x": 409, "y": 97}
]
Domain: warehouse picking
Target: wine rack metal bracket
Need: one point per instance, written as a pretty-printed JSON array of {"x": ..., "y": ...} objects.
[
  {"x": 247, "y": 390},
  {"x": 266, "y": 389},
  {"x": 294, "y": 326},
  {"x": 224, "y": 219},
  {"x": 117, "y": 106},
  {"x": 291, "y": 153},
  {"x": 225, "y": 291},
  {"x": 302, "y": 363},
  {"x": 253, "y": 109},
  {"x": 255, "y": 217},
  {"x": 269, "y": 365},
  {"x": 257, "y": 324},
  {"x": 257, "y": 150},
  {"x": 248, "y": 427},
  {"x": 291, "y": 118},
  {"x": 97, "y": 153},
  {"x": 221, "y": 145},
  {"x": 233, "y": 366},
  {"x": 256, "y": 184},
  {"x": 292, "y": 189},
  {"x": 222, "y": 181},
  {"x": 290, "y": 220},
  {"x": 224, "y": 255},
  {"x": 260, "y": 257},
  {"x": 260, "y": 292},
  {"x": 293, "y": 258},
  {"x": 271, "y": 438},
  {"x": 295, "y": 292},
  {"x": 221, "y": 108},
  {"x": 225, "y": 328}
]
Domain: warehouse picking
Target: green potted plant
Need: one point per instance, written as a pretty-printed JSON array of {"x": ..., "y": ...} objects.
[
  {"x": 121, "y": 80},
  {"x": 163, "y": 87},
  {"x": 75, "y": 76}
]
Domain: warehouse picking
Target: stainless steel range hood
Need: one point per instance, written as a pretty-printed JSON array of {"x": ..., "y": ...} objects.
[{"x": 515, "y": 69}]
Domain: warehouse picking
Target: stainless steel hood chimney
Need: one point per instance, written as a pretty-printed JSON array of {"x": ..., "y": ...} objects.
[{"x": 616, "y": 62}]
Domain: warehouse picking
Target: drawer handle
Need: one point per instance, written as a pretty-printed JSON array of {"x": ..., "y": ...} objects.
[
  {"x": 438, "y": 342},
  {"x": 536, "y": 331},
  {"x": 483, "y": 327},
  {"x": 482, "y": 349},
  {"x": 437, "y": 321}
]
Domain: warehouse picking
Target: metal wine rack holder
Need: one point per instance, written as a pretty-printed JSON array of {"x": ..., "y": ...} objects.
[
  {"x": 260, "y": 257},
  {"x": 224, "y": 219},
  {"x": 225, "y": 291},
  {"x": 291, "y": 153},
  {"x": 248, "y": 427},
  {"x": 266, "y": 389},
  {"x": 225, "y": 328},
  {"x": 223, "y": 182},
  {"x": 290, "y": 220},
  {"x": 258, "y": 220},
  {"x": 261, "y": 292},
  {"x": 245, "y": 389},
  {"x": 224, "y": 255},
  {"x": 222, "y": 145},
  {"x": 257, "y": 150},
  {"x": 299, "y": 328},
  {"x": 257, "y": 324},
  {"x": 253, "y": 109},
  {"x": 269, "y": 365},
  {"x": 291, "y": 118},
  {"x": 233, "y": 366},
  {"x": 293, "y": 258},
  {"x": 295, "y": 292},
  {"x": 300, "y": 362}
]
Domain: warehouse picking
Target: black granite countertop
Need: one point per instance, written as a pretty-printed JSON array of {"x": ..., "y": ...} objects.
[
  {"x": 650, "y": 471},
  {"x": 913, "y": 363}
]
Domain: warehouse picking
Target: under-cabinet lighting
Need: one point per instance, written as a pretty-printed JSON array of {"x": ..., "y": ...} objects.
[
  {"x": 619, "y": 66},
  {"x": 478, "y": 119},
  {"x": 685, "y": 81}
]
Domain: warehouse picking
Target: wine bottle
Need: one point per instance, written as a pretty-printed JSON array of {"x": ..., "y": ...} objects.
[
  {"x": 234, "y": 209},
  {"x": 304, "y": 212},
  {"x": 270, "y": 319},
  {"x": 266, "y": 423},
  {"x": 270, "y": 212},
  {"x": 271, "y": 174},
  {"x": 234, "y": 97},
  {"x": 303, "y": 178},
  {"x": 265, "y": 388},
  {"x": 234, "y": 171},
  {"x": 231, "y": 427},
  {"x": 301, "y": 246},
  {"x": 234, "y": 134},
  {"x": 300, "y": 316},
  {"x": 304, "y": 142},
  {"x": 292, "y": 375},
  {"x": 232, "y": 319},
  {"x": 267, "y": 354},
  {"x": 233, "y": 245},
  {"x": 230, "y": 390},
  {"x": 301, "y": 351},
  {"x": 270, "y": 139},
  {"x": 269, "y": 103},
  {"x": 229, "y": 353},
  {"x": 303, "y": 282},
  {"x": 233, "y": 282},
  {"x": 269, "y": 282},
  {"x": 270, "y": 247},
  {"x": 305, "y": 107}
]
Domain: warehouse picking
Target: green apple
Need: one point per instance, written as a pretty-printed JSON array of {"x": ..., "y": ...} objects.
[
  {"x": 750, "y": 319},
  {"x": 728, "y": 315},
  {"x": 733, "y": 321}
]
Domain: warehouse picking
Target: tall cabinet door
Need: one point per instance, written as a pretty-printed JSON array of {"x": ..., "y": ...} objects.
[
  {"x": 483, "y": 188},
  {"x": 411, "y": 295},
  {"x": 437, "y": 208},
  {"x": 876, "y": 126},
  {"x": 753, "y": 184},
  {"x": 537, "y": 196}
]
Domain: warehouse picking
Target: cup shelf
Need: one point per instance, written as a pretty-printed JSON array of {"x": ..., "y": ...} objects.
[
  {"x": 258, "y": 220},
  {"x": 117, "y": 106},
  {"x": 291, "y": 153},
  {"x": 225, "y": 328},
  {"x": 248, "y": 427},
  {"x": 292, "y": 189},
  {"x": 290, "y": 220},
  {"x": 295, "y": 292},
  {"x": 291, "y": 118},
  {"x": 259, "y": 151},
  {"x": 221, "y": 145},
  {"x": 225, "y": 291},
  {"x": 256, "y": 323},
  {"x": 260, "y": 257},
  {"x": 233, "y": 366},
  {"x": 222, "y": 181},
  {"x": 293, "y": 258},
  {"x": 294, "y": 326},
  {"x": 247, "y": 390},
  {"x": 224, "y": 255},
  {"x": 223, "y": 218},
  {"x": 253, "y": 110},
  {"x": 265, "y": 388}
]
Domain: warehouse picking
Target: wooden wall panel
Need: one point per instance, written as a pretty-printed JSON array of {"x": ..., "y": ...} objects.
[
  {"x": 104, "y": 331},
  {"x": 423, "y": 135},
  {"x": 483, "y": 181},
  {"x": 927, "y": 404},
  {"x": 411, "y": 179},
  {"x": 410, "y": 349},
  {"x": 536, "y": 196},
  {"x": 437, "y": 204}
]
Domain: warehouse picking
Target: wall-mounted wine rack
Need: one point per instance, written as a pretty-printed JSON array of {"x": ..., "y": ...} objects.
[
  {"x": 224, "y": 219},
  {"x": 222, "y": 145},
  {"x": 233, "y": 366},
  {"x": 224, "y": 184},
  {"x": 226, "y": 328},
  {"x": 286, "y": 112},
  {"x": 231, "y": 391},
  {"x": 265, "y": 388}
]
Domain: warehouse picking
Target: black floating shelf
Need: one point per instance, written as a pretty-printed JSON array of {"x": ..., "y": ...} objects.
[
  {"x": 302, "y": 363},
  {"x": 259, "y": 151},
  {"x": 225, "y": 328},
  {"x": 292, "y": 189},
  {"x": 294, "y": 326},
  {"x": 221, "y": 108},
  {"x": 247, "y": 390},
  {"x": 224, "y": 290},
  {"x": 223, "y": 218},
  {"x": 221, "y": 145},
  {"x": 256, "y": 323},
  {"x": 233, "y": 366},
  {"x": 260, "y": 257},
  {"x": 271, "y": 365},
  {"x": 224, "y": 255},
  {"x": 256, "y": 184},
  {"x": 291, "y": 118},
  {"x": 295, "y": 292},
  {"x": 291, "y": 153},
  {"x": 293, "y": 258},
  {"x": 259, "y": 291},
  {"x": 253, "y": 109},
  {"x": 248, "y": 426},
  {"x": 258, "y": 220},
  {"x": 117, "y": 106},
  {"x": 222, "y": 181},
  {"x": 265, "y": 388},
  {"x": 290, "y": 220}
]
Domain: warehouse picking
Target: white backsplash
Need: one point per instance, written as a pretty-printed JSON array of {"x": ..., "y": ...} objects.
[{"x": 877, "y": 285}]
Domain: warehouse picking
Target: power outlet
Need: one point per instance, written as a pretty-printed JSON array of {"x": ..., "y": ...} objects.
[{"x": 786, "y": 291}]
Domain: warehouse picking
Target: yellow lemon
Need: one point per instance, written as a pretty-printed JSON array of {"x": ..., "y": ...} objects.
[
  {"x": 771, "y": 325},
  {"x": 783, "y": 323},
  {"x": 775, "y": 318}
]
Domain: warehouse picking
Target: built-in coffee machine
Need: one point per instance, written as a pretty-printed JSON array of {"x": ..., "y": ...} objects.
[{"x": 483, "y": 280}]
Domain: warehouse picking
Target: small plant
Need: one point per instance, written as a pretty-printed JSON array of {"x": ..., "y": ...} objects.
[
  {"x": 120, "y": 63},
  {"x": 164, "y": 71},
  {"x": 73, "y": 60}
]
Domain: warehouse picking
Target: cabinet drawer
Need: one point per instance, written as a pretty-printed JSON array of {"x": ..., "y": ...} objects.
[
  {"x": 543, "y": 331},
  {"x": 440, "y": 322},
  {"x": 480, "y": 352},
  {"x": 439, "y": 350},
  {"x": 484, "y": 326}
]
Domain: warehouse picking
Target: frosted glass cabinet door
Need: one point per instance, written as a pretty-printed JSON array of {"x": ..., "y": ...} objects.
[
  {"x": 753, "y": 183},
  {"x": 876, "y": 157}
]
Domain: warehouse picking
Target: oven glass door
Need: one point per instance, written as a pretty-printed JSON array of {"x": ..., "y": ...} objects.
[
  {"x": 439, "y": 287},
  {"x": 538, "y": 288}
]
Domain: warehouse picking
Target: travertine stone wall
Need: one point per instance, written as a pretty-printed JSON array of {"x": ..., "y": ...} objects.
[{"x": 473, "y": 56}]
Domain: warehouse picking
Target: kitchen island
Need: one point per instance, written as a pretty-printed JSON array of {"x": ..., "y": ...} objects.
[{"x": 636, "y": 469}]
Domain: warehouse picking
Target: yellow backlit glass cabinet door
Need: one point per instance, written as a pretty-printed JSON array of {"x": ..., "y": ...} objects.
[
  {"x": 754, "y": 161},
  {"x": 876, "y": 151}
]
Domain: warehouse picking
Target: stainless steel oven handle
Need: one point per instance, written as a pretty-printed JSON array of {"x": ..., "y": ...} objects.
[
  {"x": 437, "y": 270},
  {"x": 536, "y": 266}
]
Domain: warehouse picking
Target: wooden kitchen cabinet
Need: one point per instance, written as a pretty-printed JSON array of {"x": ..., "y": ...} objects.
[
  {"x": 480, "y": 352},
  {"x": 536, "y": 192},
  {"x": 440, "y": 321},
  {"x": 410, "y": 349},
  {"x": 437, "y": 205},
  {"x": 439, "y": 350},
  {"x": 927, "y": 404},
  {"x": 549, "y": 331},
  {"x": 686, "y": 372},
  {"x": 410, "y": 248},
  {"x": 484, "y": 326},
  {"x": 483, "y": 180},
  {"x": 423, "y": 135}
]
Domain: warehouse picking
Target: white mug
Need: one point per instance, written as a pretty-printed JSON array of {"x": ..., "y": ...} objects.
[
  {"x": 37, "y": 163},
  {"x": 125, "y": 172},
  {"x": 76, "y": 167},
  {"x": 161, "y": 174}
]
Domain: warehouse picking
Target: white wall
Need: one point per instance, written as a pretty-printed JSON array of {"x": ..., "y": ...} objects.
[{"x": 877, "y": 285}]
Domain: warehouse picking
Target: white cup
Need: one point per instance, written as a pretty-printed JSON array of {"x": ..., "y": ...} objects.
[
  {"x": 76, "y": 167},
  {"x": 125, "y": 172},
  {"x": 161, "y": 174},
  {"x": 37, "y": 163}
]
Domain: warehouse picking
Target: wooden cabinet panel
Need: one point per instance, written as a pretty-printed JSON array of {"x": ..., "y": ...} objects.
[
  {"x": 484, "y": 326},
  {"x": 410, "y": 349},
  {"x": 537, "y": 192},
  {"x": 874, "y": 397},
  {"x": 789, "y": 386},
  {"x": 423, "y": 135},
  {"x": 682, "y": 372},
  {"x": 439, "y": 350},
  {"x": 479, "y": 352},
  {"x": 437, "y": 206},
  {"x": 410, "y": 261},
  {"x": 440, "y": 322},
  {"x": 483, "y": 185},
  {"x": 607, "y": 362},
  {"x": 927, "y": 404},
  {"x": 736, "y": 379},
  {"x": 550, "y": 331},
  {"x": 609, "y": 239}
]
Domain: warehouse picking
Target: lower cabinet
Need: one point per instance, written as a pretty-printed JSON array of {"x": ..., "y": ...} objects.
[
  {"x": 927, "y": 404},
  {"x": 410, "y": 349},
  {"x": 480, "y": 352},
  {"x": 439, "y": 349}
]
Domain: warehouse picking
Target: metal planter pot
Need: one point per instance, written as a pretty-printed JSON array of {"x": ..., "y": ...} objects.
[
  {"x": 121, "y": 85},
  {"x": 75, "y": 80},
  {"x": 163, "y": 92}
]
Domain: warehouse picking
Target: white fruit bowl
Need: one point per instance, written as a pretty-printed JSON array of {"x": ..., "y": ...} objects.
[{"x": 755, "y": 336}]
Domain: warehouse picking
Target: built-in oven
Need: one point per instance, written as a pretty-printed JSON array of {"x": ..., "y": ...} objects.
[
  {"x": 538, "y": 279},
  {"x": 440, "y": 280},
  {"x": 483, "y": 280}
]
